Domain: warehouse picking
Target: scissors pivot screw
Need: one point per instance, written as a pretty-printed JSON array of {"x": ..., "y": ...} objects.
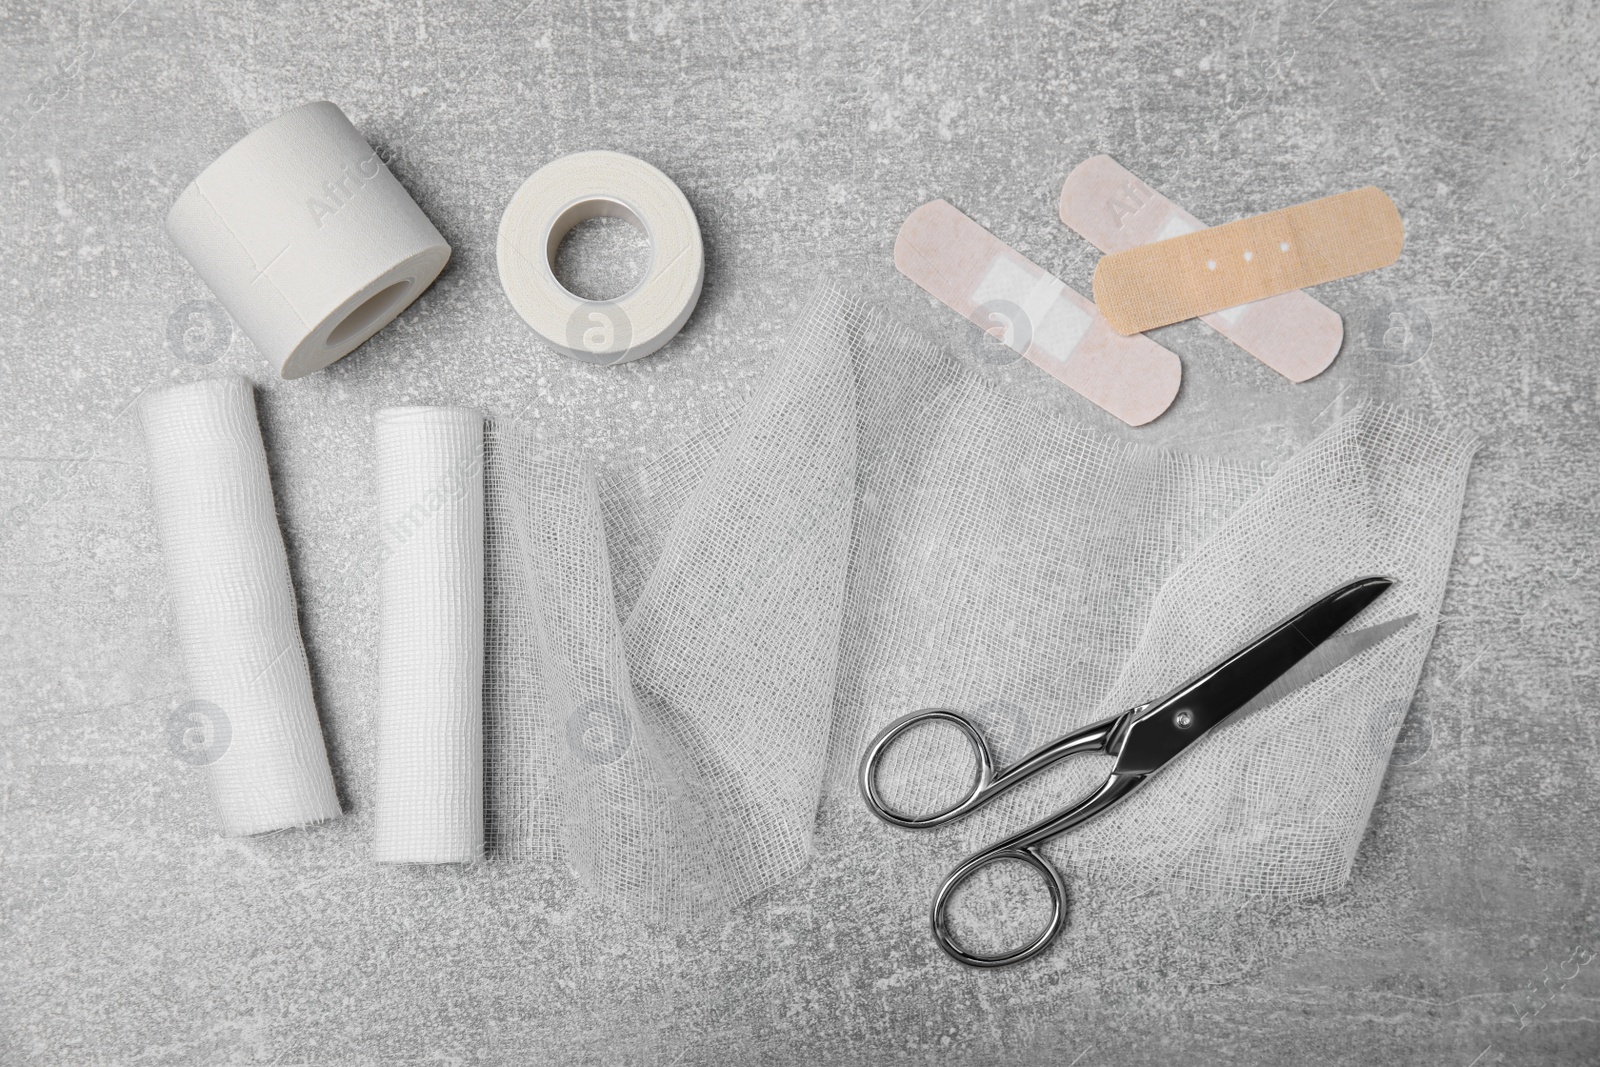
[{"x": 1183, "y": 719}]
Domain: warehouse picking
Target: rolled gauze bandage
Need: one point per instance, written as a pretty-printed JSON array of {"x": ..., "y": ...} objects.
[
  {"x": 306, "y": 238},
  {"x": 234, "y": 609},
  {"x": 430, "y": 645}
]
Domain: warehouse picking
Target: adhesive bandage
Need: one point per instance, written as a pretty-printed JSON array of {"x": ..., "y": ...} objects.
[
  {"x": 1111, "y": 209},
  {"x": 589, "y": 185},
  {"x": 1211, "y": 270},
  {"x": 978, "y": 276}
]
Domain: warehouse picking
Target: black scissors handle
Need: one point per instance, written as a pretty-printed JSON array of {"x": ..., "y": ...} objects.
[{"x": 989, "y": 782}]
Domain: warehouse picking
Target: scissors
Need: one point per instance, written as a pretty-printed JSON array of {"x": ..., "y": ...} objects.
[{"x": 1144, "y": 739}]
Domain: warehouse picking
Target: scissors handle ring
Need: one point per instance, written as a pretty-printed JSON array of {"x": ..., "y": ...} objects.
[
  {"x": 1029, "y": 854},
  {"x": 880, "y": 745}
]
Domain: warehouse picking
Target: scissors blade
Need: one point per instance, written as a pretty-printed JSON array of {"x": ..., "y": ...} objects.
[
  {"x": 1328, "y": 655},
  {"x": 1204, "y": 702}
]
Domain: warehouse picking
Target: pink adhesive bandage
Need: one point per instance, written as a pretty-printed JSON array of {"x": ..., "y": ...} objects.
[{"x": 978, "y": 276}]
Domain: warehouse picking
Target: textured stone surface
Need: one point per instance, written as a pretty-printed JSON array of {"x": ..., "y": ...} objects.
[{"x": 131, "y": 933}]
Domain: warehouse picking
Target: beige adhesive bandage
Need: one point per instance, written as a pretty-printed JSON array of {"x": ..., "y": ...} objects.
[
  {"x": 1115, "y": 211},
  {"x": 1279, "y": 252},
  {"x": 977, "y": 275}
]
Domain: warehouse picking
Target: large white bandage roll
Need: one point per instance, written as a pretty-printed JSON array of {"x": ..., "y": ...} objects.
[
  {"x": 588, "y": 185},
  {"x": 234, "y": 610},
  {"x": 430, "y": 645},
  {"x": 306, "y": 238}
]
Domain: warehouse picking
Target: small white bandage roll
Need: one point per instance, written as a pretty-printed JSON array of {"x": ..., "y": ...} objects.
[
  {"x": 430, "y": 646},
  {"x": 233, "y": 608}
]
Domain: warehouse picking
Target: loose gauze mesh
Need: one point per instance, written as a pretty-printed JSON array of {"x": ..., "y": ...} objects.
[{"x": 684, "y": 657}]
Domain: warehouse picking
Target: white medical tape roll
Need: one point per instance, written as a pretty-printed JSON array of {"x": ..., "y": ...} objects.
[
  {"x": 306, "y": 238},
  {"x": 430, "y": 635},
  {"x": 588, "y": 185},
  {"x": 250, "y": 720}
]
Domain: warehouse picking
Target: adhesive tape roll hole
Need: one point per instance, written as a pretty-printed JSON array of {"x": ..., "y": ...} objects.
[
  {"x": 573, "y": 190},
  {"x": 581, "y": 282}
]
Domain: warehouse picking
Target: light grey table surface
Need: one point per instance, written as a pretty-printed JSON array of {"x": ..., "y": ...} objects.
[{"x": 131, "y": 933}]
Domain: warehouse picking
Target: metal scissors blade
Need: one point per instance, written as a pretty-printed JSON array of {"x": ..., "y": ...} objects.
[
  {"x": 1163, "y": 730},
  {"x": 1328, "y": 655}
]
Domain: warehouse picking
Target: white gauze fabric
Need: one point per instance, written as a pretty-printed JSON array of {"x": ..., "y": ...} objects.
[
  {"x": 233, "y": 608},
  {"x": 429, "y": 805},
  {"x": 684, "y": 655}
]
